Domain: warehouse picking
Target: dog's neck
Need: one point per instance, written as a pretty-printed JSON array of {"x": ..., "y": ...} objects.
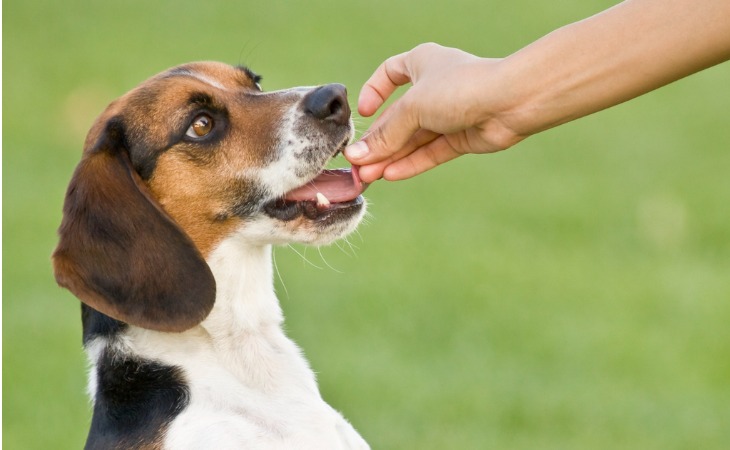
[
  {"x": 245, "y": 299},
  {"x": 244, "y": 326}
]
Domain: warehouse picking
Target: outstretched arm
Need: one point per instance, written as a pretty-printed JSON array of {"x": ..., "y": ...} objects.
[{"x": 459, "y": 103}]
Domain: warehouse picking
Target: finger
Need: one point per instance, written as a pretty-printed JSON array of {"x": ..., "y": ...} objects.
[
  {"x": 418, "y": 139},
  {"x": 393, "y": 72},
  {"x": 358, "y": 151},
  {"x": 372, "y": 172},
  {"x": 391, "y": 135},
  {"x": 422, "y": 159}
]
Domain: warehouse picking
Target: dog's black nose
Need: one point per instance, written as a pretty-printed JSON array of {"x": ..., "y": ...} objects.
[{"x": 328, "y": 102}]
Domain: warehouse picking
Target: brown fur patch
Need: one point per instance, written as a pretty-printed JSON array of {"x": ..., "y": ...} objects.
[{"x": 196, "y": 197}]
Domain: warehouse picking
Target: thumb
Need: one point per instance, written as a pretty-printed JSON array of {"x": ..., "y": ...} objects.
[{"x": 389, "y": 134}]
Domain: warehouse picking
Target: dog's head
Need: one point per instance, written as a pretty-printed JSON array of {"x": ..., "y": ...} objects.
[{"x": 191, "y": 156}]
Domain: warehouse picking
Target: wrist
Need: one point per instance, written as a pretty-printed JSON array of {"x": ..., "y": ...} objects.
[{"x": 498, "y": 109}]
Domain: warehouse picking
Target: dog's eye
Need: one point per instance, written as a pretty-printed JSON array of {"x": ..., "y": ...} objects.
[{"x": 201, "y": 126}]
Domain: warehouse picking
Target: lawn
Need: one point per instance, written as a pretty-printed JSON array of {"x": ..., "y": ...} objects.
[{"x": 570, "y": 293}]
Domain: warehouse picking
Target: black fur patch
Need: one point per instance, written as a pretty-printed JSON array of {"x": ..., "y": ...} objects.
[
  {"x": 250, "y": 74},
  {"x": 96, "y": 324},
  {"x": 135, "y": 401},
  {"x": 247, "y": 204}
]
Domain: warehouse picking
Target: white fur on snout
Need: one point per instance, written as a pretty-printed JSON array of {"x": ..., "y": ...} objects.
[
  {"x": 285, "y": 172},
  {"x": 302, "y": 150}
]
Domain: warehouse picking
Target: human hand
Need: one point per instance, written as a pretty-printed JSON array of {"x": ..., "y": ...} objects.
[{"x": 450, "y": 110}]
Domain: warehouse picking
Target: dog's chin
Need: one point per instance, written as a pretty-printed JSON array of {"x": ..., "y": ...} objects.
[
  {"x": 289, "y": 210},
  {"x": 304, "y": 222}
]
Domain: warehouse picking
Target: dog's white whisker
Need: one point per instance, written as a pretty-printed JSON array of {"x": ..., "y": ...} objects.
[
  {"x": 342, "y": 249},
  {"x": 319, "y": 249},
  {"x": 304, "y": 257},
  {"x": 353, "y": 248},
  {"x": 278, "y": 274}
]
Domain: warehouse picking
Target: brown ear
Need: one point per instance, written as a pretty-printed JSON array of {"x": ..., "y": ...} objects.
[{"x": 120, "y": 253}]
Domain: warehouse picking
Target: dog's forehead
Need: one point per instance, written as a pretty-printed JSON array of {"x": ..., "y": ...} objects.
[
  {"x": 170, "y": 88},
  {"x": 168, "y": 94},
  {"x": 215, "y": 74}
]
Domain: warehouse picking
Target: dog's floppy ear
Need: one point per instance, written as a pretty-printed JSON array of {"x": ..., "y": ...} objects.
[{"x": 120, "y": 253}]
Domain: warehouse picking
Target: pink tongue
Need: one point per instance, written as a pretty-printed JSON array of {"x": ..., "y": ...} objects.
[{"x": 338, "y": 185}]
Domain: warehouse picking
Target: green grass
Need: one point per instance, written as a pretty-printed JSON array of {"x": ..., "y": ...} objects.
[{"x": 571, "y": 293}]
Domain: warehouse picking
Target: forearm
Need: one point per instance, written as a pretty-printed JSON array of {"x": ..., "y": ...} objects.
[{"x": 623, "y": 52}]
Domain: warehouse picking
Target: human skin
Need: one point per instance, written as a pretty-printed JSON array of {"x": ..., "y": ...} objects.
[{"x": 460, "y": 103}]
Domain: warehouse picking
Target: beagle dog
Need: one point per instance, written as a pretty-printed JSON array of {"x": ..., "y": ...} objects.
[{"x": 184, "y": 184}]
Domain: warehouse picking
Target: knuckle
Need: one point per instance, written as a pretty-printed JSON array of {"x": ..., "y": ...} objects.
[
  {"x": 426, "y": 47},
  {"x": 500, "y": 138},
  {"x": 378, "y": 142}
]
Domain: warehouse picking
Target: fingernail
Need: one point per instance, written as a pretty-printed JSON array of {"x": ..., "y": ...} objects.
[{"x": 358, "y": 150}]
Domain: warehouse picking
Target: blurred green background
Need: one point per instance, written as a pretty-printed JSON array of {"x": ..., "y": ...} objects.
[{"x": 571, "y": 293}]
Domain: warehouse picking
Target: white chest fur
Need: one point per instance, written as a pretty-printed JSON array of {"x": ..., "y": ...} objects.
[{"x": 250, "y": 386}]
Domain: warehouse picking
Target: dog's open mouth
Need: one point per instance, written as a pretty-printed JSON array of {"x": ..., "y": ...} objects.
[{"x": 329, "y": 192}]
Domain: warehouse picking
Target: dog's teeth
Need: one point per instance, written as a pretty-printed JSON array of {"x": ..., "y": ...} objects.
[{"x": 322, "y": 200}]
